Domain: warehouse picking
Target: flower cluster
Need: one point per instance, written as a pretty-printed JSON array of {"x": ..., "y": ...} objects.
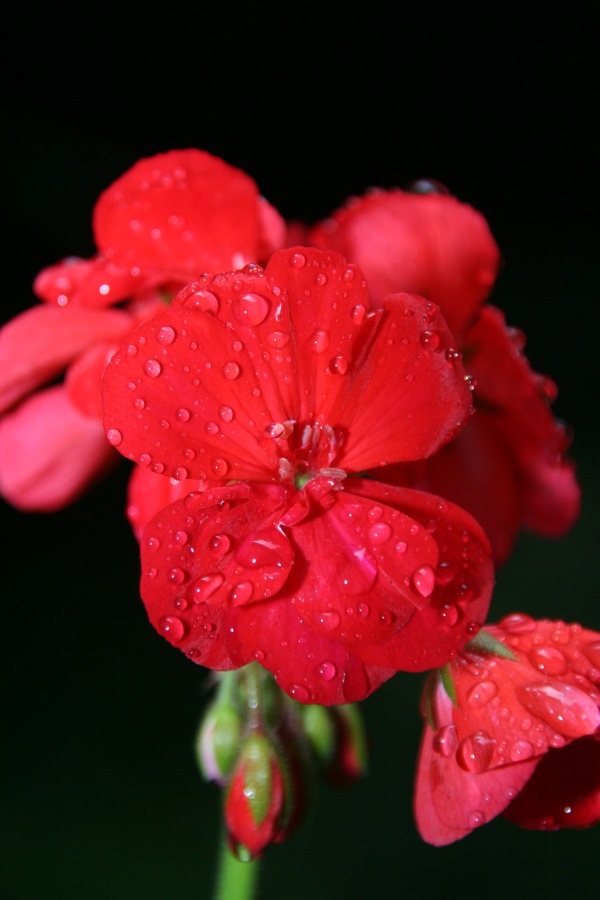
[{"x": 336, "y": 440}]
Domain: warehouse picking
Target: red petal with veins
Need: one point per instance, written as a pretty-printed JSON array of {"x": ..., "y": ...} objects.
[
  {"x": 182, "y": 213},
  {"x": 508, "y": 715},
  {"x": 50, "y": 452},
  {"x": 37, "y": 345},
  {"x": 428, "y": 244},
  {"x": 451, "y": 574}
]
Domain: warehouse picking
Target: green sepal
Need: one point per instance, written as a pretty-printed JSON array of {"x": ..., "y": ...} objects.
[
  {"x": 256, "y": 758},
  {"x": 485, "y": 643},
  {"x": 448, "y": 682}
]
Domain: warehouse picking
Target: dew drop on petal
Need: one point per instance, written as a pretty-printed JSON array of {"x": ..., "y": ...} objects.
[
  {"x": 172, "y": 628},
  {"x": 205, "y": 301},
  {"x": 219, "y": 544},
  {"x": 219, "y": 467},
  {"x": 592, "y": 651},
  {"x": 181, "y": 538},
  {"x": 330, "y": 620},
  {"x": 430, "y": 340},
  {"x": 114, "y": 437},
  {"x": 226, "y": 413},
  {"x": 549, "y": 660},
  {"x": 518, "y": 623},
  {"x": 445, "y": 740},
  {"x": 152, "y": 368},
  {"x": 474, "y": 753},
  {"x": 339, "y": 365},
  {"x": 401, "y": 547},
  {"x": 165, "y": 335},
  {"x": 566, "y": 708},
  {"x": 277, "y": 339},
  {"x": 319, "y": 341},
  {"x": 519, "y": 750},
  {"x": 423, "y": 580},
  {"x": 231, "y": 370},
  {"x": 251, "y": 309},
  {"x": 298, "y": 691},
  {"x": 448, "y": 613},
  {"x": 481, "y": 694},
  {"x": 206, "y": 587},
  {"x": 379, "y": 533},
  {"x": 327, "y": 671},
  {"x": 183, "y": 414},
  {"x": 358, "y": 313},
  {"x": 298, "y": 261},
  {"x": 241, "y": 593},
  {"x": 176, "y": 576},
  {"x": 180, "y": 473},
  {"x": 476, "y": 818},
  {"x": 131, "y": 350}
]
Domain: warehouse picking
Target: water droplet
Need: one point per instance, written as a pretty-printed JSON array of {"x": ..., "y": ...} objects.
[
  {"x": 139, "y": 403},
  {"x": 219, "y": 544},
  {"x": 330, "y": 620},
  {"x": 379, "y": 533},
  {"x": 251, "y": 309},
  {"x": 298, "y": 261},
  {"x": 131, "y": 350},
  {"x": 474, "y": 753},
  {"x": 181, "y": 538},
  {"x": 211, "y": 428},
  {"x": 592, "y": 651},
  {"x": 241, "y": 593},
  {"x": 430, "y": 340},
  {"x": 176, "y": 576},
  {"x": 180, "y": 473},
  {"x": 476, "y": 818},
  {"x": 226, "y": 414},
  {"x": 183, "y": 414},
  {"x": 277, "y": 339},
  {"x": 549, "y": 660},
  {"x": 423, "y": 581},
  {"x": 568, "y": 709},
  {"x": 320, "y": 341},
  {"x": 401, "y": 547},
  {"x": 231, "y": 370},
  {"x": 339, "y": 365},
  {"x": 165, "y": 335},
  {"x": 205, "y": 587},
  {"x": 364, "y": 610},
  {"x": 520, "y": 750},
  {"x": 219, "y": 467},
  {"x": 205, "y": 301},
  {"x": 172, "y": 628},
  {"x": 327, "y": 671},
  {"x": 518, "y": 623},
  {"x": 114, "y": 437},
  {"x": 358, "y": 313},
  {"x": 445, "y": 740},
  {"x": 152, "y": 368},
  {"x": 481, "y": 694},
  {"x": 448, "y": 614},
  {"x": 298, "y": 691}
]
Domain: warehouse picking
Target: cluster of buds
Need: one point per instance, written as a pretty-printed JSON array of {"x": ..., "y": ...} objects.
[{"x": 264, "y": 750}]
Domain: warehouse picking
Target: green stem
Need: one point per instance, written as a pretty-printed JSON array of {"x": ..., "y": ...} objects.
[{"x": 236, "y": 880}]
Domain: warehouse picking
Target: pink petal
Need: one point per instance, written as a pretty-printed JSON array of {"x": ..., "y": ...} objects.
[
  {"x": 50, "y": 453},
  {"x": 147, "y": 493},
  {"x": 91, "y": 282},
  {"x": 38, "y": 344}
]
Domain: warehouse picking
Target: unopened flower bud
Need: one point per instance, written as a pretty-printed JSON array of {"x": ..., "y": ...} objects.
[
  {"x": 259, "y": 800},
  {"x": 338, "y": 739},
  {"x": 218, "y": 742}
]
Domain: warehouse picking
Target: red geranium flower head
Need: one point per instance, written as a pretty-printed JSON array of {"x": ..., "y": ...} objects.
[
  {"x": 512, "y": 727},
  {"x": 272, "y": 392}
]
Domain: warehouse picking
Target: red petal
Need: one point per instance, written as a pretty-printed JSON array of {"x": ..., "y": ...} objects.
[
  {"x": 84, "y": 379},
  {"x": 50, "y": 453},
  {"x": 147, "y": 493},
  {"x": 427, "y": 244},
  {"x": 38, "y": 344},
  {"x": 515, "y": 402},
  {"x": 450, "y": 802},
  {"x": 459, "y": 599},
  {"x": 207, "y": 555},
  {"x": 407, "y": 395},
  {"x": 180, "y": 213},
  {"x": 564, "y": 790}
]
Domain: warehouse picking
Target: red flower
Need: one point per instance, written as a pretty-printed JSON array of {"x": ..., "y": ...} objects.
[
  {"x": 508, "y": 466},
  {"x": 520, "y": 735},
  {"x": 164, "y": 222},
  {"x": 266, "y": 389}
]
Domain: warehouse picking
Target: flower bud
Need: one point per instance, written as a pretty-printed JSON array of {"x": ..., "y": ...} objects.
[
  {"x": 338, "y": 740},
  {"x": 259, "y": 800},
  {"x": 218, "y": 742}
]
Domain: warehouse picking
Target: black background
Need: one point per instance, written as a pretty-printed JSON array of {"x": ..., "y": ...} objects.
[{"x": 316, "y": 103}]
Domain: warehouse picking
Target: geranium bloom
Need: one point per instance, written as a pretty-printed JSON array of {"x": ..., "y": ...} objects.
[
  {"x": 508, "y": 466},
  {"x": 266, "y": 389},
  {"x": 519, "y": 735},
  {"x": 164, "y": 222}
]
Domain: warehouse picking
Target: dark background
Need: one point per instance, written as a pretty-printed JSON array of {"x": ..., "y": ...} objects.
[{"x": 101, "y": 794}]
